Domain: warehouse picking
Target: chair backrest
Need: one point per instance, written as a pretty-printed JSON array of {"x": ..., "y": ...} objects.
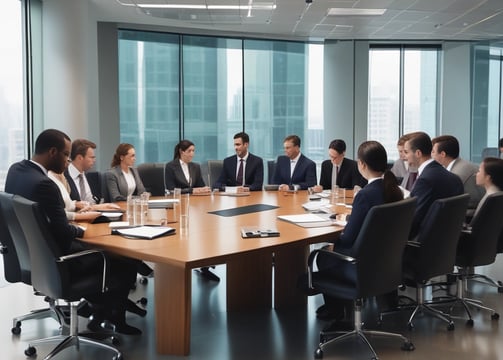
[
  {"x": 271, "y": 166},
  {"x": 152, "y": 176},
  {"x": 16, "y": 256},
  {"x": 214, "y": 171},
  {"x": 48, "y": 276},
  {"x": 486, "y": 228},
  {"x": 438, "y": 237},
  {"x": 94, "y": 178},
  {"x": 379, "y": 247}
]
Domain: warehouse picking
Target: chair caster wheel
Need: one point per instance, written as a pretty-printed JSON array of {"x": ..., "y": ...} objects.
[
  {"x": 143, "y": 281},
  {"x": 16, "y": 330},
  {"x": 495, "y": 316},
  {"x": 30, "y": 351},
  {"x": 450, "y": 327},
  {"x": 143, "y": 301},
  {"x": 408, "y": 346},
  {"x": 318, "y": 354},
  {"x": 469, "y": 322},
  {"x": 133, "y": 286}
]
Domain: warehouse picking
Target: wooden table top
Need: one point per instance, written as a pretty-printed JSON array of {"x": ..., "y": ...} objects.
[{"x": 211, "y": 239}]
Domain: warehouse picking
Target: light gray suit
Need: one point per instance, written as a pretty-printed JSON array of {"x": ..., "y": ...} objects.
[
  {"x": 467, "y": 172},
  {"x": 117, "y": 184}
]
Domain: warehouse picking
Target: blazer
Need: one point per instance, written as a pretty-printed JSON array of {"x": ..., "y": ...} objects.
[
  {"x": 93, "y": 184},
  {"x": 175, "y": 178},
  {"x": 117, "y": 185},
  {"x": 348, "y": 175},
  {"x": 254, "y": 173},
  {"x": 28, "y": 180},
  {"x": 304, "y": 174},
  {"x": 467, "y": 172},
  {"x": 399, "y": 169},
  {"x": 435, "y": 182}
]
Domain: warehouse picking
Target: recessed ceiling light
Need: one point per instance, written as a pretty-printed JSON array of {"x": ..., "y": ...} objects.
[
  {"x": 355, "y": 12},
  {"x": 256, "y": 6}
]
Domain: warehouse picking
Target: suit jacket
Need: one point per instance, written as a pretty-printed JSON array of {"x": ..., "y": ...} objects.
[
  {"x": 467, "y": 172},
  {"x": 28, "y": 180},
  {"x": 347, "y": 178},
  {"x": 94, "y": 184},
  {"x": 304, "y": 174},
  {"x": 435, "y": 182},
  {"x": 254, "y": 173},
  {"x": 175, "y": 178},
  {"x": 117, "y": 184}
]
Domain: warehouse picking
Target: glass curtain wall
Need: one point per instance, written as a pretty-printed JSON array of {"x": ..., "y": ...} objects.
[
  {"x": 403, "y": 88},
  {"x": 12, "y": 124}
]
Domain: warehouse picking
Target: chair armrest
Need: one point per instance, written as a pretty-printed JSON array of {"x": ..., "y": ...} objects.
[
  {"x": 467, "y": 231},
  {"x": 415, "y": 244},
  {"x": 313, "y": 255},
  {"x": 79, "y": 254}
]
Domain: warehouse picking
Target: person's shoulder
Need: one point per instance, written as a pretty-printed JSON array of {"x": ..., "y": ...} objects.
[
  {"x": 255, "y": 157},
  {"x": 302, "y": 156}
]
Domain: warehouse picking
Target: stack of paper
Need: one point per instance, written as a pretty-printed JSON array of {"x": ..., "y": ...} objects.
[
  {"x": 161, "y": 203},
  {"x": 308, "y": 220}
]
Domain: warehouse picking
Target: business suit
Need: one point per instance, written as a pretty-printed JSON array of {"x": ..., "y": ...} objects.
[
  {"x": 304, "y": 174},
  {"x": 253, "y": 177},
  {"x": 28, "y": 180},
  {"x": 347, "y": 177},
  {"x": 175, "y": 178},
  {"x": 93, "y": 182},
  {"x": 434, "y": 182},
  {"x": 117, "y": 184},
  {"x": 467, "y": 172}
]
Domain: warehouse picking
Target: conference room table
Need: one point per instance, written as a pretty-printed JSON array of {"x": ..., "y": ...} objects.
[{"x": 211, "y": 239}]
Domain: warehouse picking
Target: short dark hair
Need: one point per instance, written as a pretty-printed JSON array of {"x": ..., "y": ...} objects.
[
  {"x": 80, "y": 147},
  {"x": 294, "y": 139},
  {"x": 337, "y": 145},
  {"x": 182, "y": 145},
  {"x": 448, "y": 144},
  {"x": 244, "y": 136},
  {"x": 494, "y": 168},
  {"x": 50, "y": 138},
  {"x": 420, "y": 141}
]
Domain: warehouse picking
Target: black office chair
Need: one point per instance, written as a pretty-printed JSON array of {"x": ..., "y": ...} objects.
[
  {"x": 94, "y": 178},
  {"x": 16, "y": 259},
  {"x": 271, "y": 167},
  {"x": 152, "y": 177},
  {"x": 478, "y": 247},
  {"x": 51, "y": 276},
  {"x": 377, "y": 261},
  {"x": 433, "y": 251},
  {"x": 214, "y": 170}
]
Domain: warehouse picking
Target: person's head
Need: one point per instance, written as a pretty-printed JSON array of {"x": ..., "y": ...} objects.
[
  {"x": 417, "y": 148},
  {"x": 241, "y": 142},
  {"x": 400, "y": 146},
  {"x": 82, "y": 155},
  {"x": 490, "y": 173},
  {"x": 184, "y": 151},
  {"x": 336, "y": 151},
  {"x": 372, "y": 163},
  {"x": 52, "y": 150},
  {"x": 445, "y": 148},
  {"x": 291, "y": 145},
  {"x": 124, "y": 156}
]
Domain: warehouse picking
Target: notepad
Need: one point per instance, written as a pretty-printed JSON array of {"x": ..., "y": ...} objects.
[
  {"x": 308, "y": 220},
  {"x": 144, "y": 232}
]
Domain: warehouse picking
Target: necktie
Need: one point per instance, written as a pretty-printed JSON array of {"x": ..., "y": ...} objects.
[
  {"x": 82, "y": 187},
  {"x": 239, "y": 177},
  {"x": 335, "y": 172},
  {"x": 411, "y": 180}
]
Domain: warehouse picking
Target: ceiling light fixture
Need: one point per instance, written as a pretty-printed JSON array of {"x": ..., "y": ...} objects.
[
  {"x": 256, "y": 6},
  {"x": 355, "y": 12}
]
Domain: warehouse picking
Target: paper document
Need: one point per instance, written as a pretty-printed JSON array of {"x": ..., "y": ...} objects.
[
  {"x": 309, "y": 220},
  {"x": 161, "y": 203},
  {"x": 144, "y": 232}
]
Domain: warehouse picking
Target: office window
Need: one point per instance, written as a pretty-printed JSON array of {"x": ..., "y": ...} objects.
[
  {"x": 12, "y": 146},
  {"x": 403, "y": 85}
]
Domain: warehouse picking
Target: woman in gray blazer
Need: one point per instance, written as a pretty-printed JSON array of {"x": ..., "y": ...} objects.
[{"x": 122, "y": 179}]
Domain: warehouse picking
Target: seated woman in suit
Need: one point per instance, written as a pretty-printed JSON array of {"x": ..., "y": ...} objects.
[
  {"x": 381, "y": 188},
  {"x": 182, "y": 173},
  {"x": 490, "y": 176},
  {"x": 122, "y": 179}
]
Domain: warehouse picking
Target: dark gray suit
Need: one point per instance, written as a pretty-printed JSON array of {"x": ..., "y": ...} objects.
[
  {"x": 304, "y": 174},
  {"x": 175, "y": 178},
  {"x": 467, "y": 172},
  {"x": 348, "y": 175},
  {"x": 117, "y": 184}
]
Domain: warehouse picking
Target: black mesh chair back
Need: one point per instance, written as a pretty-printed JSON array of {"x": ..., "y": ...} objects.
[
  {"x": 214, "y": 170},
  {"x": 437, "y": 239},
  {"x": 152, "y": 177}
]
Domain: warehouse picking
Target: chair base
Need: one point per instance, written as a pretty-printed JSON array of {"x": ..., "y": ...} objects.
[
  {"x": 427, "y": 308},
  {"x": 486, "y": 280},
  {"x": 34, "y": 315}
]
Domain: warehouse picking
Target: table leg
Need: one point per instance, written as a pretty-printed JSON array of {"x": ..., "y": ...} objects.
[{"x": 172, "y": 309}]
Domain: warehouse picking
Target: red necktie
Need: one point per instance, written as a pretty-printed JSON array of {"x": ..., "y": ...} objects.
[
  {"x": 411, "y": 180},
  {"x": 239, "y": 177}
]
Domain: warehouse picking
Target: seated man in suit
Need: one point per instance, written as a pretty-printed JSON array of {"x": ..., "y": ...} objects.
[
  {"x": 28, "y": 178},
  {"x": 446, "y": 152},
  {"x": 433, "y": 181},
  {"x": 339, "y": 170},
  {"x": 243, "y": 169},
  {"x": 294, "y": 169}
]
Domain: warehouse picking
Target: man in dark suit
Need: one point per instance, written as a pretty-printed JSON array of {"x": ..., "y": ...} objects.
[
  {"x": 433, "y": 181},
  {"x": 28, "y": 178},
  {"x": 294, "y": 169},
  {"x": 82, "y": 187},
  {"x": 339, "y": 169},
  {"x": 243, "y": 169}
]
